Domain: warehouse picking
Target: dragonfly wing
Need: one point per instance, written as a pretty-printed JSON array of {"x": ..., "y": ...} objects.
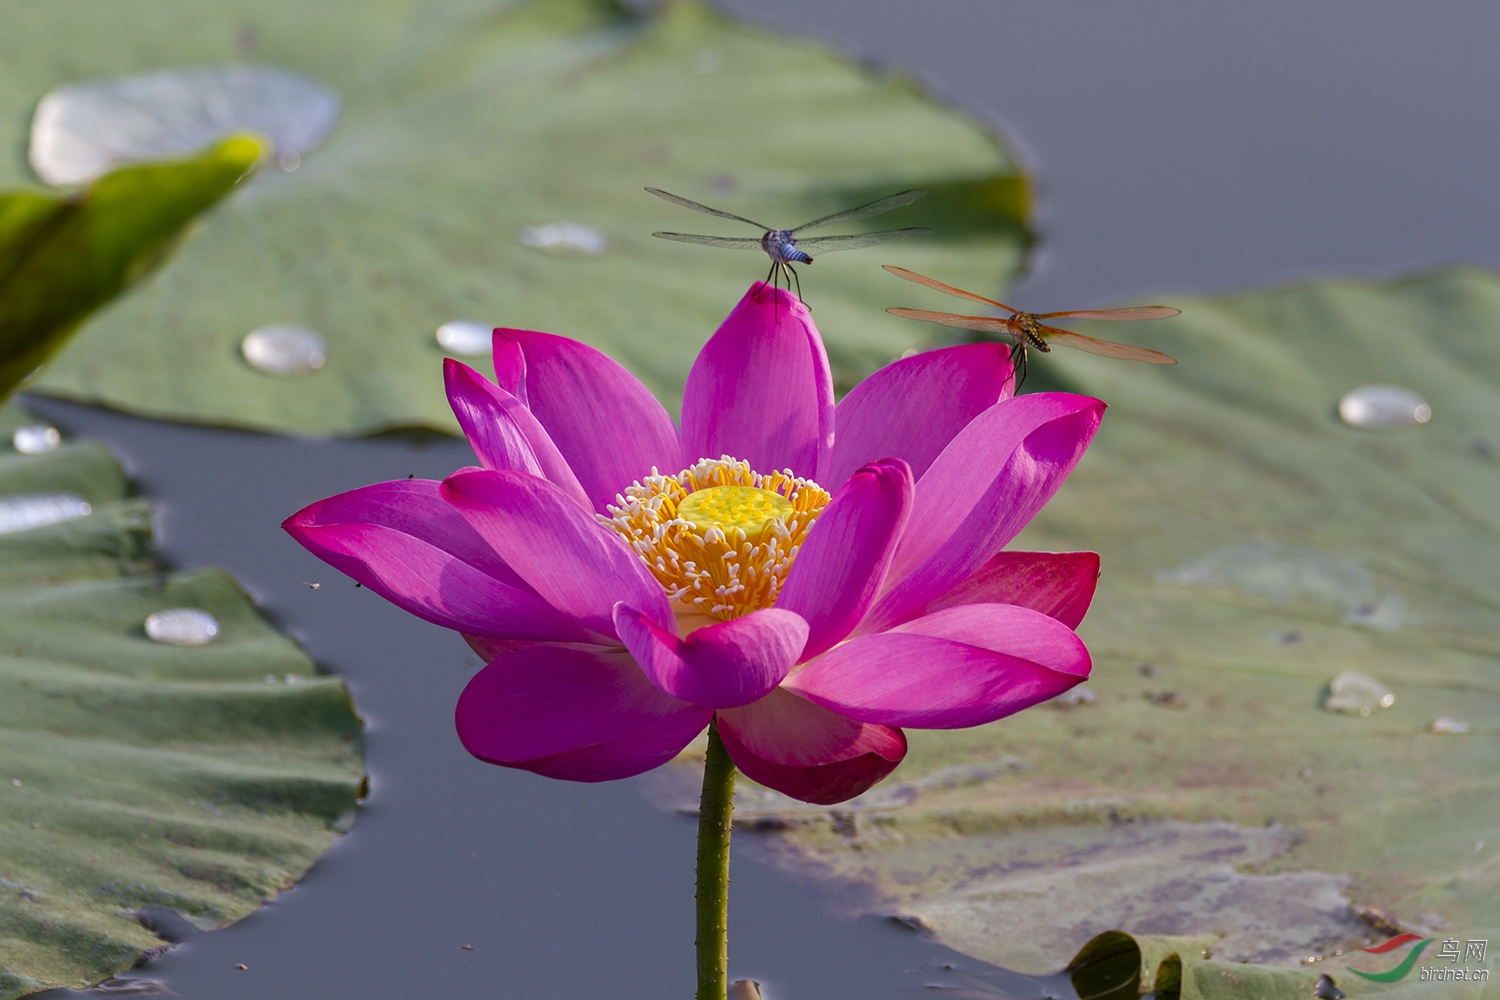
[
  {"x": 865, "y": 211},
  {"x": 726, "y": 242},
  {"x": 678, "y": 199},
  {"x": 828, "y": 244},
  {"x": 1116, "y": 315},
  {"x": 985, "y": 324},
  {"x": 1108, "y": 348},
  {"x": 922, "y": 279}
]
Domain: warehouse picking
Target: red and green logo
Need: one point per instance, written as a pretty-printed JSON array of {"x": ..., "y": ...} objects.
[{"x": 1400, "y": 971}]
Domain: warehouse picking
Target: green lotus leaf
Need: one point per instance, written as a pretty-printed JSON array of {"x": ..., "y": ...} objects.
[
  {"x": 133, "y": 774},
  {"x": 464, "y": 128},
  {"x": 63, "y": 256},
  {"x": 1255, "y": 547}
]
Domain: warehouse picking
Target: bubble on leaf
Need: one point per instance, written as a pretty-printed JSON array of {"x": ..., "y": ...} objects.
[
  {"x": 283, "y": 349},
  {"x": 81, "y": 131},
  {"x": 1383, "y": 406},
  {"x": 182, "y": 627}
]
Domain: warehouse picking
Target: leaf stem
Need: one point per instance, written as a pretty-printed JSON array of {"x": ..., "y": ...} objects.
[{"x": 714, "y": 811}]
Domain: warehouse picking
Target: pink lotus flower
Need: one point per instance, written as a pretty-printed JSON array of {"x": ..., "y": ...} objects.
[{"x": 814, "y": 576}]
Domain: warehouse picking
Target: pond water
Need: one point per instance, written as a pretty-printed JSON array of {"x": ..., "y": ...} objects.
[{"x": 1177, "y": 148}]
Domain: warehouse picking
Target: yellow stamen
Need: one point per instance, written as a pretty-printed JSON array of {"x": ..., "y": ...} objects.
[{"x": 718, "y": 536}]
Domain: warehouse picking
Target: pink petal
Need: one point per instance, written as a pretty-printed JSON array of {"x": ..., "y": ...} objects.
[
  {"x": 401, "y": 540},
  {"x": 503, "y": 432},
  {"x": 838, "y": 572},
  {"x": 576, "y": 564},
  {"x": 912, "y": 408},
  {"x": 510, "y": 365},
  {"x": 1059, "y": 584},
  {"x": 960, "y": 667},
  {"x": 761, "y": 390},
  {"x": 585, "y": 714},
  {"x": 722, "y": 665},
  {"x": 981, "y": 491},
  {"x": 806, "y": 751},
  {"x": 608, "y": 427}
]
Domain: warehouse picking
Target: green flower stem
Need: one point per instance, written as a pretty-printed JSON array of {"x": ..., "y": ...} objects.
[{"x": 714, "y": 810}]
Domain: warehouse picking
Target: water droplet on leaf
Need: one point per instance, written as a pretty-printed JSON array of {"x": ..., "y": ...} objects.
[
  {"x": 463, "y": 336},
  {"x": 25, "y": 511},
  {"x": 182, "y": 627},
  {"x": 36, "y": 439},
  {"x": 1443, "y": 724},
  {"x": 565, "y": 238},
  {"x": 81, "y": 131},
  {"x": 1383, "y": 406},
  {"x": 282, "y": 349},
  {"x": 1354, "y": 693}
]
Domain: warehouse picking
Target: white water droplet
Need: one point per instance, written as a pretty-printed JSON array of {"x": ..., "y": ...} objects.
[
  {"x": 295, "y": 679},
  {"x": 182, "y": 627},
  {"x": 1383, "y": 406},
  {"x": 465, "y": 336},
  {"x": 565, "y": 238},
  {"x": 36, "y": 439},
  {"x": 81, "y": 131},
  {"x": 282, "y": 349},
  {"x": 1354, "y": 693},
  {"x": 1443, "y": 724},
  {"x": 272, "y": 679},
  {"x": 24, "y": 511}
]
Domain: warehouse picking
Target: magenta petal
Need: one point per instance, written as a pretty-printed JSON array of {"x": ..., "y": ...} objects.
[
  {"x": 503, "y": 432},
  {"x": 956, "y": 668},
  {"x": 843, "y": 562},
  {"x": 536, "y": 706},
  {"x": 808, "y": 752},
  {"x": 981, "y": 491},
  {"x": 1058, "y": 584},
  {"x": 912, "y": 408},
  {"x": 576, "y": 564},
  {"x": 760, "y": 390},
  {"x": 405, "y": 543},
  {"x": 627, "y": 756},
  {"x": 510, "y": 365},
  {"x": 723, "y": 665},
  {"x": 608, "y": 427}
]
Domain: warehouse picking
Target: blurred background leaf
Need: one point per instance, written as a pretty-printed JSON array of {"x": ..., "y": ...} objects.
[
  {"x": 64, "y": 256},
  {"x": 137, "y": 776},
  {"x": 467, "y": 126}
]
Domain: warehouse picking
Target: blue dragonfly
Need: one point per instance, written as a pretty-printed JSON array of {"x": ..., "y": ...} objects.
[{"x": 785, "y": 247}]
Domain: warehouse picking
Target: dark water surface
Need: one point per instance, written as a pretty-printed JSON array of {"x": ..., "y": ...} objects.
[{"x": 1178, "y": 147}]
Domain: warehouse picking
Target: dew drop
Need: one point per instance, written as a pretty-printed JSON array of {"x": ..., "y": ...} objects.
[
  {"x": 565, "y": 238},
  {"x": 295, "y": 679},
  {"x": 272, "y": 679},
  {"x": 1354, "y": 693},
  {"x": 465, "y": 336},
  {"x": 24, "y": 511},
  {"x": 36, "y": 439},
  {"x": 182, "y": 627},
  {"x": 282, "y": 349},
  {"x": 1383, "y": 406},
  {"x": 83, "y": 130},
  {"x": 1443, "y": 724}
]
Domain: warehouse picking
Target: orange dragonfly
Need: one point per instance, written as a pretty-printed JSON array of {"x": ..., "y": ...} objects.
[{"x": 1027, "y": 329}]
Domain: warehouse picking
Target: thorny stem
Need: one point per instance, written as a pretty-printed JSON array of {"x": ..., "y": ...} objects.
[{"x": 714, "y": 810}]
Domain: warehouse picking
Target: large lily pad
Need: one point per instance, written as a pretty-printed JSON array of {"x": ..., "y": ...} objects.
[
  {"x": 136, "y": 775},
  {"x": 465, "y": 123},
  {"x": 63, "y": 256},
  {"x": 1254, "y": 547}
]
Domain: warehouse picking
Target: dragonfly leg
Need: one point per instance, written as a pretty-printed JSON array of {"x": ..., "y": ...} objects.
[
  {"x": 1018, "y": 364},
  {"x": 793, "y": 272}
]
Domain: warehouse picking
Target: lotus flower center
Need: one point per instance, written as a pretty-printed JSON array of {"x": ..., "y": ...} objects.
[
  {"x": 718, "y": 536},
  {"x": 744, "y": 507}
]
